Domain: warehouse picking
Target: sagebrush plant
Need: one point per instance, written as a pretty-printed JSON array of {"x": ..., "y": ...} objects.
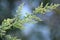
[
  {"x": 43, "y": 9},
  {"x": 17, "y": 22}
]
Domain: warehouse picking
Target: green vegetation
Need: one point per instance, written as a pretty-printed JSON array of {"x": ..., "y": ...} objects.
[{"x": 17, "y": 22}]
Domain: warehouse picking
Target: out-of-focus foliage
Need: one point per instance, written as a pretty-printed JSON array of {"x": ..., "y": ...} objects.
[
  {"x": 45, "y": 9},
  {"x": 17, "y": 22},
  {"x": 8, "y": 37},
  {"x": 6, "y": 24}
]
